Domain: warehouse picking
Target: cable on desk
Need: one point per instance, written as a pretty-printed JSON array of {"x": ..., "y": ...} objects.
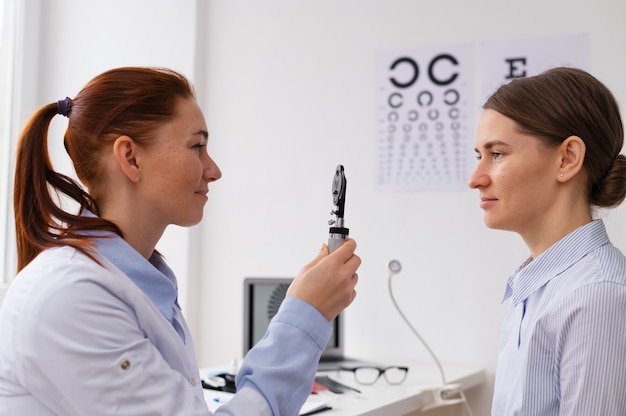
[
  {"x": 394, "y": 268},
  {"x": 430, "y": 351}
]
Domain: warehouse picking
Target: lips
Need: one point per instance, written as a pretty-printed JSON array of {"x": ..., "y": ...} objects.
[
  {"x": 486, "y": 202},
  {"x": 203, "y": 193}
]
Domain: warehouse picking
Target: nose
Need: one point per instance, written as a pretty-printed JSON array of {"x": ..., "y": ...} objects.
[
  {"x": 211, "y": 172},
  {"x": 478, "y": 178}
]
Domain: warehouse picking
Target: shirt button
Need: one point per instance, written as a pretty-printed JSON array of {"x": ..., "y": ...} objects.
[
  {"x": 193, "y": 381},
  {"x": 125, "y": 365}
]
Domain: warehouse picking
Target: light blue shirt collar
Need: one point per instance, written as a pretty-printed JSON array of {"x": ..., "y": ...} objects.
[
  {"x": 534, "y": 274},
  {"x": 153, "y": 276}
]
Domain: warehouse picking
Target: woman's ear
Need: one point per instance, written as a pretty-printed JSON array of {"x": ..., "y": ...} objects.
[
  {"x": 125, "y": 153},
  {"x": 572, "y": 156}
]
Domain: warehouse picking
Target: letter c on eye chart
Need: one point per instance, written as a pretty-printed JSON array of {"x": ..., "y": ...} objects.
[{"x": 423, "y": 118}]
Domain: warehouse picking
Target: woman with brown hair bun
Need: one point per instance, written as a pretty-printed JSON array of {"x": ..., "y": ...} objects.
[{"x": 549, "y": 155}]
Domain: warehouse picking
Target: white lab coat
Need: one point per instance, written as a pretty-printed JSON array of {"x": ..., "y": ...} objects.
[{"x": 122, "y": 357}]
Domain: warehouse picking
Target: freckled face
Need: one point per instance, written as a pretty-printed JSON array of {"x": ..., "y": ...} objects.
[
  {"x": 515, "y": 175},
  {"x": 177, "y": 169}
]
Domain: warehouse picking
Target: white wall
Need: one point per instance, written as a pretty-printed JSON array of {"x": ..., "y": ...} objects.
[
  {"x": 290, "y": 95},
  {"x": 287, "y": 89}
]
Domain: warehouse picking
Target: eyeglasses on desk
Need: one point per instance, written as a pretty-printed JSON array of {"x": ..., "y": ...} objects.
[{"x": 370, "y": 374}]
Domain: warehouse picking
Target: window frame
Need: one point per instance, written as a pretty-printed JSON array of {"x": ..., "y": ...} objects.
[{"x": 11, "y": 41}]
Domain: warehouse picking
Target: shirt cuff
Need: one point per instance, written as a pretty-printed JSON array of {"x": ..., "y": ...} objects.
[{"x": 302, "y": 315}]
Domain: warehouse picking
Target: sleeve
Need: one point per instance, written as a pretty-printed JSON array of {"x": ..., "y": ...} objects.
[
  {"x": 280, "y": 369},
  {"x": 81, "y": 352},
  {"x": 591, "y": 348}
]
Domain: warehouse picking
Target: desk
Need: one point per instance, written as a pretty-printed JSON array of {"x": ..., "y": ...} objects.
[{"x": 382, "y": 399}]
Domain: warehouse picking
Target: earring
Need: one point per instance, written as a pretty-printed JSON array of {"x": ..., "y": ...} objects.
[{"x": 561, "y": 175}]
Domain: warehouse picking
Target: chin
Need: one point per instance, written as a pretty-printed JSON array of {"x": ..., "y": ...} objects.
[
  {"x": 189, "y": 222},
  {"x": 493, "y": 224}
]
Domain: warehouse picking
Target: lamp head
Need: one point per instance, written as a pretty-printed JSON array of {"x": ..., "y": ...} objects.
[{"x": 394, "y": 266}]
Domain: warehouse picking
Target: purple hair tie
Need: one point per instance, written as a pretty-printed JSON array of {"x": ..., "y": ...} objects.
[{"x": 64, "y": 106}]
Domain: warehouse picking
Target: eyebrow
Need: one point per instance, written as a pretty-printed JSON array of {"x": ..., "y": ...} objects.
[
  {"x": 493, "y": 143},
  {"x": 203, "y": 133}
]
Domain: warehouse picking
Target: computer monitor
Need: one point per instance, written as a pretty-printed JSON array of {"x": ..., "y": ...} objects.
[{"x": 262, "y": 297}]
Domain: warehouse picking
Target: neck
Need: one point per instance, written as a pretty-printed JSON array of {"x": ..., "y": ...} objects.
[
  {"x": 553, "y": 228},
  {"x": 138, "y": 230}
]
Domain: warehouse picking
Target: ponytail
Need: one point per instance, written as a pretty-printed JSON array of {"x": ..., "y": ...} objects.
[{"x": 39, "y": 222}]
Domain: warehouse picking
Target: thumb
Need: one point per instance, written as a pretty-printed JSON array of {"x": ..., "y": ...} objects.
[{"x": 320, "y": 255}]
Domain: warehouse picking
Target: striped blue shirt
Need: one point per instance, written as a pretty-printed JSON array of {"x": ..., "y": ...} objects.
[{"x": 563, "y": 340}]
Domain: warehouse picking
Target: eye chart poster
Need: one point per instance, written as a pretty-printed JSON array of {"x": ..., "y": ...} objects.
[
  {"x": 423, "y": 118},
  {"x": 503, "y": 61}
]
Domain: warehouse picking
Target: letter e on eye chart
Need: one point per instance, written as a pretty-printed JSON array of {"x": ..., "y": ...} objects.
[
  {"x": 423, "y": 117},
  {"x": 504, "y": 60}
]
